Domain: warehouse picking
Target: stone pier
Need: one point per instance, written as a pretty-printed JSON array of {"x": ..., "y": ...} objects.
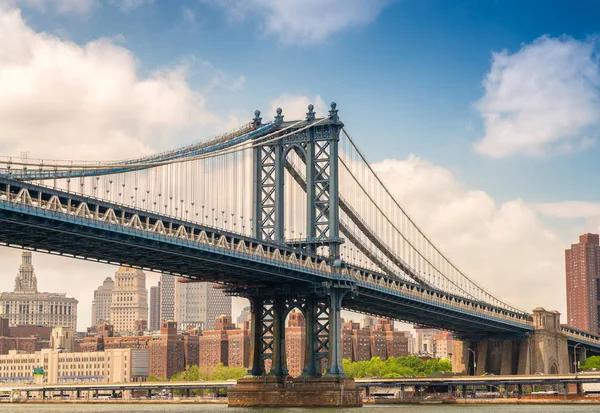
[
  {"x": 309, "y": 392},
  {"x": 543, "y": 351}
]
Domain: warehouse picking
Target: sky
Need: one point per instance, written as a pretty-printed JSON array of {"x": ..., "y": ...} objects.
[{"x": 481, "y": 117}]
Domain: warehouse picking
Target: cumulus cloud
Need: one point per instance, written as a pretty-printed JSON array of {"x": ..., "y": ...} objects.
[
  {"x": 543, "y": 99},
  {"x": 295, "y": 106},
  {"x": 305, "y": 22},
  {"x": 55, "y": 94},
  {"x": 505, "y": 247},
  {"x": 59, "y": 99},
  {"x": 570, "y": 209}
]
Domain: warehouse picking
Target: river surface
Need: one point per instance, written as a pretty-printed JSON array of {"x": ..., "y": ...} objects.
[{"x": 178, "y": 408}]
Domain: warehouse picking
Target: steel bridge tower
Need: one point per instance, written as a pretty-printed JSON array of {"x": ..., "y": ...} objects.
[{"x": 315, "y": 142}]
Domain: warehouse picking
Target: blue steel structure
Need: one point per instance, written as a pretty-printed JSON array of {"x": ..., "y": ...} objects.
[{"x": 275, "y": 274}]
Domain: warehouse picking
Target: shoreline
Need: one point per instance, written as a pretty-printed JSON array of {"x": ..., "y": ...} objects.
[
  {"x": 117, "y": 401},
  {"x": 499, "y": 401}
]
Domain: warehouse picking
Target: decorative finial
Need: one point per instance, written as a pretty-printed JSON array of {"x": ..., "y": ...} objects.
[
  {"x": 257, "y": 119},
  {"x": 279, "y": 116},
  {"x": 333, "y": 113},
  {"x": 310, "y": 116}
]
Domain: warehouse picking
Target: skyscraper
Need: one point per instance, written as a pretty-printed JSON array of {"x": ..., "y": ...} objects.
[
  {"x": 129, "y": 300},
  {"x": 102, "y": 301},
  {"x": 582, "y": 265},
  {"x": 154, "y": 323},
  {"x": 198, "y": 304},
  {"x": 167, "y": 297},
  {"x": 26, "y": 306}
]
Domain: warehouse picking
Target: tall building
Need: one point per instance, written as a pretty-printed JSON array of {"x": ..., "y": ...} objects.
[
  {"x": 582, "y": 265},
  {"x": 25, "y": 306},
  {"x": 295, "y": 343},
  {"x": 154, "y": 322},
  {"x": 198, "y": 304},
  {"x": 129, "y": 301},
  {"x": 167, "y": 297},
  {"x": 102, "y": 301}
]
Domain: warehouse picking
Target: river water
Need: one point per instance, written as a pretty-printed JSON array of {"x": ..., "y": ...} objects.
[{"x": 178, "y": 408}]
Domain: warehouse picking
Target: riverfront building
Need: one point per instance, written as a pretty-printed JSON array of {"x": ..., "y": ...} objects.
[
  {"x": 25, "y": 306},
  {"x": 59, "y": 364},
  {"x": 582, "y": 267}
]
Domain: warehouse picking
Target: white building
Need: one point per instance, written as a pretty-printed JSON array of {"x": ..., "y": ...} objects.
[
  {"x": 198, "y": 304},
  {"x": 26, "y": 306},
  {"x": 129, "y": 300},
  {"x": 56, "y": 366},
  {"x": 102, "y": 302},
  {"x": 424, "y": 341}
]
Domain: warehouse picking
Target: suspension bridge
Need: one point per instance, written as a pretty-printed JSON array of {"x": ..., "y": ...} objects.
[{"x": 288, "y": 214}]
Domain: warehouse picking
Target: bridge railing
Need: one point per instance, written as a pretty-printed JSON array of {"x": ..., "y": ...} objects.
[
  {"x": 581, "y": 336},
  {"x": 100, "y": 214},
  {"x": 440, "y": 298}
]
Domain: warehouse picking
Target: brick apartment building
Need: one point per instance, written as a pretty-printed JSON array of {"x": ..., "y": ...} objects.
[
  {"x": 28, "y": 339},
  {"x": 361, "y": 344},
  {"x": 582, "y": 267}
]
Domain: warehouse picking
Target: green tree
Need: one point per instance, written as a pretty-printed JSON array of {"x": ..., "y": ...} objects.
[
  {"x": 395, "y": 367},
  {"x": 591, "y": 363}
]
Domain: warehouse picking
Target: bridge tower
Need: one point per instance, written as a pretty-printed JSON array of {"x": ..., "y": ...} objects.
[{"x": 314, "y": 141}]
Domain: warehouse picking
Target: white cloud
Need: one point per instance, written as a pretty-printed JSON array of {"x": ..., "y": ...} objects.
[
  {"x": 570, "y": 209},
  {"x": 308, "y": 21},
  {"x": 56, "y": 94},
  {"x": 543, "y": 99},
  {"x": 505, "y": 247},
  {"x": 295, "y": 106}
]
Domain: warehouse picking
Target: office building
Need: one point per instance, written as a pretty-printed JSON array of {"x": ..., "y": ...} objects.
[
  {"x": 167, "y": 297},
  {"x": 129, "y": 301},
  {"x": 102, "y": 302},
  {"x": 154, "y": 322},
  {"x": 198, "y": 304}
]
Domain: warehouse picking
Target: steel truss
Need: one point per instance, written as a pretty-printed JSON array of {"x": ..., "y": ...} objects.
[{"x": 317, "y": 147}]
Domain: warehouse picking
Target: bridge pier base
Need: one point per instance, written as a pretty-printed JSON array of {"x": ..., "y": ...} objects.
[{"x": 301, "y": 392}]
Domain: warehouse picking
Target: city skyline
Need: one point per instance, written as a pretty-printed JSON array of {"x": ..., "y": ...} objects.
[{"x": 523, "y": 202}]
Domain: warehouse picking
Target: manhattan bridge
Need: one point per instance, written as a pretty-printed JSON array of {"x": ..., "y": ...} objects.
[{"x": 288, "y": 214}]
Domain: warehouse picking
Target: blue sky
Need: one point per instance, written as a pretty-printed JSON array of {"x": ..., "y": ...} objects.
[
  {"x": 407, "y": 80},
  {"x": 486, "y": 109}
]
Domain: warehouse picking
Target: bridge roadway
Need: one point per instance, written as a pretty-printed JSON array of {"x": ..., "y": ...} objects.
[
  {"x": 63, "y": 223},
  {"x": 537, "y": 379}
]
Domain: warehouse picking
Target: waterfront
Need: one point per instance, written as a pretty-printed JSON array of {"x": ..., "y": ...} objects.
[{"x": 112, "y": 408}]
